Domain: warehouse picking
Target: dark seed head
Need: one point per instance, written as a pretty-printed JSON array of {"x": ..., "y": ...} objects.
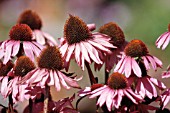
[
  {"x": 23, "y": 66},
  {"x": 21, "y": 32},
  {"x": 117, "y": 81},
  {"x": 30, "y": 18},
  {"x": 75, "y": 30},
  {"x": 114, "y": 31},
  {"x": 136, "y": 48},
  {"x": 50, "y": 58},
  {"x": 4, "y": 69}
]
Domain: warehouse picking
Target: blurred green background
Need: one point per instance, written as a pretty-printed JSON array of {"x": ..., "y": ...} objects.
[{"x": 139, "y": 19}]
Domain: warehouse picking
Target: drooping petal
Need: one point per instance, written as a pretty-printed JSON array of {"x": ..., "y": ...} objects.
[
  {"x": 136, "y": 68},
  {"x": 56, "y": 81},
  {"x": 128, "y": 67},
  {"x": 62, "y": 80},
  {"x": 39, "y": 37},
  {"x": 28, "y": 51}
]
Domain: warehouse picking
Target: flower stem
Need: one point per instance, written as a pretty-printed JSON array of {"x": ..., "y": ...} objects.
[
  {"x": 106, "y": 76},
  {"x": 91, "y": 76},
  {"x": 46, "y": 99},
  {"x": 30, "y": 105},
  {"x": 10, "y": 104}
]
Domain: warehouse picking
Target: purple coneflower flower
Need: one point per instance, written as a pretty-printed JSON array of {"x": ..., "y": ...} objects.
[
  {"x": 164, "y": 39},
  {"x": 33, "y": 20},
  {"x": 112, "y": 30},
  {"x": 81, "y": 44},
  {"x": 145, "y": 85},
  {"x": 48, "y": 72},
  {"x": 20, "y": 41},
  {"x": 113, "y": 93},
  {"x": 22, "y": 66},
  {"x": 135, "y": 52}
]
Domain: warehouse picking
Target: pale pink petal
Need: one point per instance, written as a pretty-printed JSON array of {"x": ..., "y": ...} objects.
[
  {"x": 158, "y": 83},
  {"x": 151, "y": 60},
  {"x": 15, "y": 48},
  {"x": 166, "y": 74},
  {"x": 28, "y": 51},
  {"x": 56, "y": 81},
  {"x": 146, "y": 63},
  {"x": 136, "y": 68},
  {"x": 153, "y": 88},
  {"x": 35, "y": 49},
  {"x": 140, "y": 89},
  {"x": 44, "y": 80},
  {"x": 70, "y": 52},
  {"x": 120, "y": 65},
  {"x": 161, "y": 39},
  {"x": 93, "y": 53},
  {"x": 4, "y": 85},
  {"x": 109, "y": 100},
  {"x": 99, "y": 89},
  {"x": 82, "y": 63},
  {"x": 99, "y": 46},
  {"x": 84, "y": 52},
  {"x": 148, "y": 89},
  {"x": 134, "y": 95},
  {"x": 103, "y": 97},
  {"x": 158, "y": 62},
  {"x": 119, "y": 98},
  {"x": 93, "y": 95},
  {"x": 63, "y": 49},
  {"x": 91, "y": 27},
  {"x": 51, "y": 81},
  {"x": 77, "y": 54},
  {"x": 166, "y": 101},
  {"x": 128, "y": 67},
  {"x": 35, "y": 75},
  {"x": 71, "y": 82},
  {"x": 38, "y": 45},
  {"x": 8, "y": 52},
  {"x": 39, "y": 37},
  {"x": 130, "y": 97},
  {"x": 166, "y": 42},
  {"x": 62, "y": 80},
  {"x": 49, "y": 37}
]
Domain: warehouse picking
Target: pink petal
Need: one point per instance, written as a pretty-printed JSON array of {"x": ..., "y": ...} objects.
[
  {"x": 4, "y": 85},
  {"x": 166, "y": 101},
  {"x": 56, "y": 81},
  {"x": 15, "y": 48},
  {"x": 136, "y": 68},
  {"x": 151, "y": 60},
  {"x": 84, "y": 52},
  {"x": 119, "y": 99},
  {"x": 8, "y": 52},
  {"x": 128, "y": 67},
  {"x": 146, "y": 63},
  {"x": 161, "y": 39},
  {"x": 109, "y": 100},
  {"x": 92, "y": 52},
  {"x": 91, "y": 27},
  {"x": 120, "y": 65},
  {"x": 130, "y": 96},
  {"x": 70, "y": 52},
  {"x": 44, "y": 80},
  {"x": 70, "y": 81},
  {"x": 51, "y": 81},
  {"x": 28, "y": 51},
  {"x": 158, "y": 83},
  {"x": 77, "y": 53},
  {"x": 99, "y": 46},
  {"x": 39, "y": 37},
  {"x": 62, "y": 80},
  {"x": 38, "y": 45},
  {"x": 141, "y": 89},
  {"x": 167, "y": 40},
  {"x": 49, "y": 37},
  {"x": 102, "y": 98},
  {"x": 158, "y": 62},
  {"x": 63, "y": 49},
  {"x": 153, "y": 88}
]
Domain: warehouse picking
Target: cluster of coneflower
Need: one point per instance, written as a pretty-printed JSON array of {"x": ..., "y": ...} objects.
[{"x": 32, "y": 61}]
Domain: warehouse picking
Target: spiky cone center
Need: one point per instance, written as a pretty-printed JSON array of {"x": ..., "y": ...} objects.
[
  {"x": 75, "y": 30},
  {"x": 169, "y": 27},
  {"x": 115, "y": 32},
  {"x": 30, "y": 18},
  {"x": 4, "y": 69},
  {"x": 117, "y": 81},
  {"x": 50, "y": 58},
  {"x": 21, "y": 32},
  {"x": 95, "y": 86},
  {"x": 23, "y": 66},
  {"x": 136, "y": 48}
]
